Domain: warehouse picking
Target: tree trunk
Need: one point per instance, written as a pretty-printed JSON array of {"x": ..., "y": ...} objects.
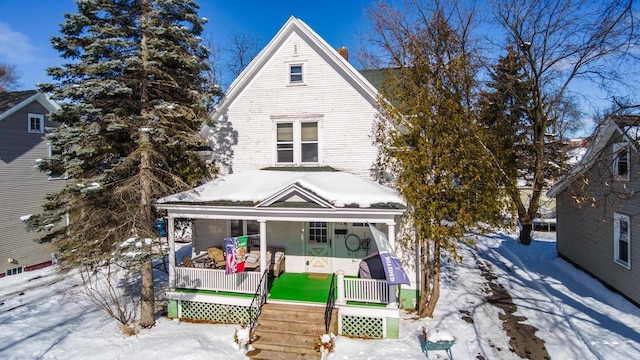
[
  {"x": 425, "y": 279},
  {"x": 430, "y": 293},
  {"x": 525, "y": 234},
  {"x": 147, "y": 298}
]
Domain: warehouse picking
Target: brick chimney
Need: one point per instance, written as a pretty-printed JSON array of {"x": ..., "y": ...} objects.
[{"x": 344, "y": 52}]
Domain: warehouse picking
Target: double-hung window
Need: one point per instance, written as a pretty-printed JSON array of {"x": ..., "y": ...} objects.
[
  {"x": 621, "y": 161},
  {"x": 295, "y": 74},
  {"x": 309, "y": 142},
  {"x": 284, "y": 140},
  {"x": 297, "y": 142},
  {"x": 35, "y": 123},
  {"x": 622, "y": 240}
]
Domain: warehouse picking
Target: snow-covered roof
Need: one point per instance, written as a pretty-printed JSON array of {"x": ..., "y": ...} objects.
[
  {"x": 336, "y": 189},
  {"x": 12, "y": 101}
]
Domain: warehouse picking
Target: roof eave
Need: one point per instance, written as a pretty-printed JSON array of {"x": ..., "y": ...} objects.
[{"x": 41, "y": 98}]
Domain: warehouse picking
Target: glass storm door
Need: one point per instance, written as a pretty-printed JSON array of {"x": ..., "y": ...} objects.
[{"x": 318, "y": 249}]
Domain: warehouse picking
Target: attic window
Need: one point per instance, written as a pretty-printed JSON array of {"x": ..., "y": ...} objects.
[
  {"x": 35, "y": 123},
  {"x": 621, "y": 161},
  {"x": 295, "y": 73}
]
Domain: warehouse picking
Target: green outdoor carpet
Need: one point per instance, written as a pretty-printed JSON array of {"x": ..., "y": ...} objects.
[{"x": 300, "y": 287}]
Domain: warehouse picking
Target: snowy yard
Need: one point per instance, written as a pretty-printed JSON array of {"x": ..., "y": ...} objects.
[{"x": 43, "y": 316}]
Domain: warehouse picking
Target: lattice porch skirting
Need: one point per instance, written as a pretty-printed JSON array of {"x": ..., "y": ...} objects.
[
  {"x": 228, "y": 314},
  {"x": 363, "y": 327}
]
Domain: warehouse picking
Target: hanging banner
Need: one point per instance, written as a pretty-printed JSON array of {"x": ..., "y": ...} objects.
[
  {"x": 234, "y": 251},
  {"x": 392, "y": 265}
]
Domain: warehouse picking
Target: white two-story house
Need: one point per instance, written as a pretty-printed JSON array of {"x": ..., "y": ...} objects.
[{"x": 294, "y": 141}]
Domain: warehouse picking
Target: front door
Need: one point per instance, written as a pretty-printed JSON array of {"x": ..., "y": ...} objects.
[{"x": 318, "y": 248}]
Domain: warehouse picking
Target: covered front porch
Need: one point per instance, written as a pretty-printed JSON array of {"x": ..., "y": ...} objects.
[
  {"x": 294, "y": 287},
  {"x": 316, "y": 224}
]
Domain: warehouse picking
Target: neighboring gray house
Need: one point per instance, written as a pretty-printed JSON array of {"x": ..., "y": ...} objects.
[
  {"x": 598, "y": 212},
  {"x": 24, "y": 117}
]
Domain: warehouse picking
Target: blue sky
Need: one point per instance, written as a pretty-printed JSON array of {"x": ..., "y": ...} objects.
[{"x": 26, "y": 26}]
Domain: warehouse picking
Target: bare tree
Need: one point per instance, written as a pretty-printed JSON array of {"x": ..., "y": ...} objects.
[
  {"x": 113, "y": 290},
  {"x": 214, "y": 74},
  {"x": 560, "y": 42},
  {"x": 243, "y": 49},
  {"x": 8, "y": 77}
]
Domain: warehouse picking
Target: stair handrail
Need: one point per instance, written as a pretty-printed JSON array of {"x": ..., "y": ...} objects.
[
  {"x": 259, "y": 298},
  {"x": 331, "y": 302}
]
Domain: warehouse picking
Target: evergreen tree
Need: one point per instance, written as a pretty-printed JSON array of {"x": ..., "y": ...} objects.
[
  {"x": 430, "y": 138},
  {"x": 518, "y": 144},
  {"x": 133, "y": 97}
]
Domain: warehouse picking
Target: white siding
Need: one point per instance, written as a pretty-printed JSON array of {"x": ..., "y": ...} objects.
[{"x": 346, "y": 117}]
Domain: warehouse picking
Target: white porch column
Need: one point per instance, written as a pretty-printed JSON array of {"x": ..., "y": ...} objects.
[
  {"x": 341, "y": 296},
  {"x": 172, "y": 252},
  {"x": 263, "y": 246},
  {"x": 391, "y": 235},
  {"x": 393, "y": 289}
]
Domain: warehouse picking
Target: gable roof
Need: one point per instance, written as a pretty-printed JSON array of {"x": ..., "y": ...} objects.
[
  {"x": 294, "y": 25},
  {"x": 262, "y": 188},
  {"x": 612, "y": 125},
  {"x": 12, "y": 101}
]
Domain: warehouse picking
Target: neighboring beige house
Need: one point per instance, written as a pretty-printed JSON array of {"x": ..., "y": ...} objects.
[
  {"x": 294, "y": 135},
  {"x": 24, "y": 117},
  {"x": 603, "y": 238}
]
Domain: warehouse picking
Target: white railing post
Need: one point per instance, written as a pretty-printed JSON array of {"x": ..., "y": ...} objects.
[
  {"x": 393, "y": 297},
  {"x": 263, "y": 246},
  {"x": 172, "y": 252},
  {"x": 341, "y": 298},
  {"x": 393, "y": 289}
]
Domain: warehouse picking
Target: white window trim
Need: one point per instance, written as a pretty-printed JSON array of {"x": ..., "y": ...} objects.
[
  {"x": 616, "y": 237},
  {"x": 14, "y": 271},
  {"x": 302, "y": 73},
  {"x": 39, "y": 117},
  {"x": 625, "y": 149},
  {"x": 297, "y": 142}
]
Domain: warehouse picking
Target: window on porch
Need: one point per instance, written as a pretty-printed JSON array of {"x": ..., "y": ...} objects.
[
  {"x": 318, "y": 232},
  {"x": 244, "y": 227}
]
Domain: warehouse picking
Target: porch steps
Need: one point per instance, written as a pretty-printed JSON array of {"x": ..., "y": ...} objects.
[{"x": 287, "y": 331}]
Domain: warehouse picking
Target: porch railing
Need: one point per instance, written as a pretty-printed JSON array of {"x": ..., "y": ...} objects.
[
  {"x": 217, "y": 280},
  {"x": 331, "y": 303},
  {"x": 259, "y": 298},
  {"x": 366, "y": 290}
]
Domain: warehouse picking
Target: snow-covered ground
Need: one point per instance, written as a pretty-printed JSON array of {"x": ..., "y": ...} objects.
[{"x": 44, "y": 316}]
